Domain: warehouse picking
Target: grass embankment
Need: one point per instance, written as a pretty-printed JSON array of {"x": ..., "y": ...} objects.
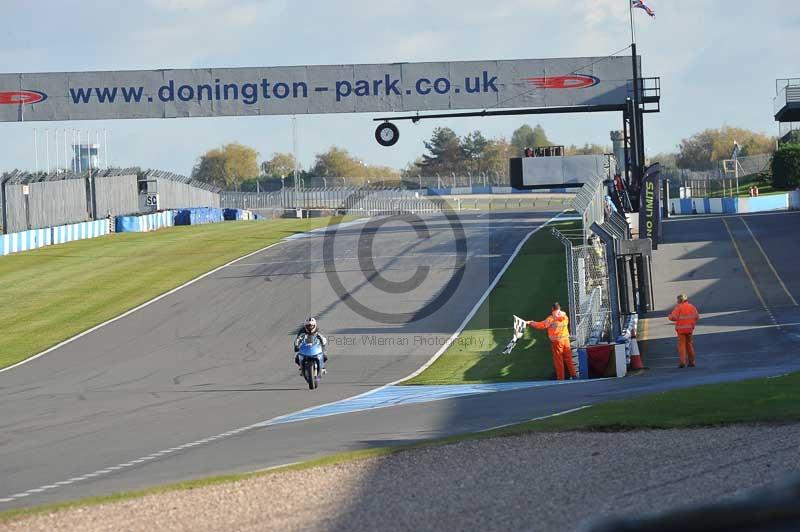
[
  {"x": 55, "y": 292},
  {"x": 529, "y": 286},
  {"x": 770, "y": 400},
  {"x": 743, "y": 191}
]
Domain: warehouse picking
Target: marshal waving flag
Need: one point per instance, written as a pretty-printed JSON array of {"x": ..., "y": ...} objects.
[{"x": 642, "y": 5}]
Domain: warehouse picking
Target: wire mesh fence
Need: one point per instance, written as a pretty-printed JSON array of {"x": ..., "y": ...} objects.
[
  {"x": 375, "y": 199},
  {"x": 720, "y": 181},
  {"x": 37, "y": 200},
  {"x": 587, "y": 288}
]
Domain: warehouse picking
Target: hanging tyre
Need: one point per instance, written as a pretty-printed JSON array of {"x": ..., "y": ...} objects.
[{"x": 387, "y": 134}]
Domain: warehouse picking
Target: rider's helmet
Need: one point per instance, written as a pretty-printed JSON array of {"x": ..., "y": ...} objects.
[{"x": 310, "y": 325}]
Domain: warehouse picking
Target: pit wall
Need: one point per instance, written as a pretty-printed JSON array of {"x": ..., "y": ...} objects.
[{"x": 773, "y": 202}]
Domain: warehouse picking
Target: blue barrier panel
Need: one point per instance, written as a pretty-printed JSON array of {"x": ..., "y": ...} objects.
[
  {"x": 439, "y": 191},
  {"x": 730, "y": 205},
  {"x": 481, "y": 190},
  {"x": 686, "y": 206},
  {"x": 145, "y": 222},
  {"x": 706, "y": 205},
  {"x": 128, "y": 224},
  {"x": 197, "y": 216},
  {"x": 238, "y": 214},
  {"x": 794, "y": 200},
  {"x": 583, "y": 363}
]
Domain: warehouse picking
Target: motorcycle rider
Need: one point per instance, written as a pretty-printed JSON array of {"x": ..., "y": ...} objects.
[{"x": 310, "y": 327}]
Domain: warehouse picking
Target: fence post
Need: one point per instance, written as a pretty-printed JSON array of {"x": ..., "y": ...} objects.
[
  {"x": 3, "y": 181},
  {"x": 611, "y": 268},
  {"x": 571, "y": 300}
]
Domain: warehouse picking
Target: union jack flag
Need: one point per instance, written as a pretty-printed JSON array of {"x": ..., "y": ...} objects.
[{"x": 641, "y": 5}]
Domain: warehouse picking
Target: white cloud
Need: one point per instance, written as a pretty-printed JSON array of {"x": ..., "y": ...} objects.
[{"x": 193, "y": 31}]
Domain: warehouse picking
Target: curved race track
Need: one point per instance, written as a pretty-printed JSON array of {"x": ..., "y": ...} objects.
[
  {"x": 157, "y": 396},
  {"x": 216, "y": 355}
]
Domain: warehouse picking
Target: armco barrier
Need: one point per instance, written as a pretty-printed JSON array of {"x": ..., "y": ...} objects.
[
  {"x": 145, "y": 222},
  {"x": 201, "y": 215},
  {"x": 79, "y": 231},
  {"x": 38, "y": 238},
  {"x": 25, "y": 240}
]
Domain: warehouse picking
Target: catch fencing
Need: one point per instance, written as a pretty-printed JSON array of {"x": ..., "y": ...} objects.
[
  {"x": 587, "y": 288},
  {"x": 720, "y": 181},
  {"x": 35, "y": 201},
  {"x": 382, "y": 200},
  {"x": 406, "y": 182},
  {"x": 311, "y": 198},
  {"x": 591, "y": 204},
  {"x": 116, "y": 193},
  {"x": 176, "y": 191},
  {"x": 591, "y": 283}
]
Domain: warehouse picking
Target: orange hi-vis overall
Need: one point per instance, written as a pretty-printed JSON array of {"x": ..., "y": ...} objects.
[
  {"x": 685, "y": 317},
  {"x": 557, "y": 325}
]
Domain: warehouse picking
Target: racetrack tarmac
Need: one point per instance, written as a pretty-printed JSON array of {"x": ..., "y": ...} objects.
[
  {"x": 187, "y": 370},
  {"x": 216, "y": 355}
]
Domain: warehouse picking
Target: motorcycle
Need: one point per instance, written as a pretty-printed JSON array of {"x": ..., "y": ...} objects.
[{"x": 311, "y": 360}]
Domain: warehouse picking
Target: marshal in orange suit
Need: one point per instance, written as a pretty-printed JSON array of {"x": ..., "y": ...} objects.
[
  {"x": 557, "y": 325},
  {"x": 685, "y": 316}
]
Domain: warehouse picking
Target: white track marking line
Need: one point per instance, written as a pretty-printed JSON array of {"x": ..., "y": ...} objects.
[
  {"x": 143, "y": 305},
  {"x": 769, "y": 262},
  {"x": 475, "y": 308},
  {"x": 172, "y": 291},
  {"x": 446, "y": 344},
  {"x": 540, "y": 418},
  {"x": 268, "y": 422}
]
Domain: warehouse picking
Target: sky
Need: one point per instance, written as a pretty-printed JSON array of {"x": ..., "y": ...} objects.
[{"x": 717, "y": 59}]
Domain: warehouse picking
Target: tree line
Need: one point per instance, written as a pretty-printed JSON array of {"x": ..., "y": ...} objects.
[{"x": 236, "y": 166}]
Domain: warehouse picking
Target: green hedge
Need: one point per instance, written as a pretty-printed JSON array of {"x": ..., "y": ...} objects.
[{"x": 786, "y": 167}]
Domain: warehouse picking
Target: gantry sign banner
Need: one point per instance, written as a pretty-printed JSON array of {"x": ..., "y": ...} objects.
[{"x": 397, "y": 87}]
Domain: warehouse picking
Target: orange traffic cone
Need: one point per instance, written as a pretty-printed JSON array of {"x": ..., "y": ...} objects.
[{"x": 636, "y": 356}]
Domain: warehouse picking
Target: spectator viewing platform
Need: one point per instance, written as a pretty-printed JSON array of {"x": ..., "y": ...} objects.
[{"x": 787, "y": 106}]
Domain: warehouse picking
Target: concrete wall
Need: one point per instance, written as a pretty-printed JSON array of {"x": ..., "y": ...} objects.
[{"x": 773, "y": 202}]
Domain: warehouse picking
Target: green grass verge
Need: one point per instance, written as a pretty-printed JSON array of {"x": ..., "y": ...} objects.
[
  {"x": 770, "y": 400},
  {"x": 765, "y": 400},
  {"x": 55, "y": 292},
  {"x": 743, "y": 191},
  {"x": 529, "y": 286}
]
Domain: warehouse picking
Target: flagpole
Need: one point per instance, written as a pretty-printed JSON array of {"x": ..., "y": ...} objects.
[
  {"x": 635, "y": 125},
  {"x": 633, "y": 28}
]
